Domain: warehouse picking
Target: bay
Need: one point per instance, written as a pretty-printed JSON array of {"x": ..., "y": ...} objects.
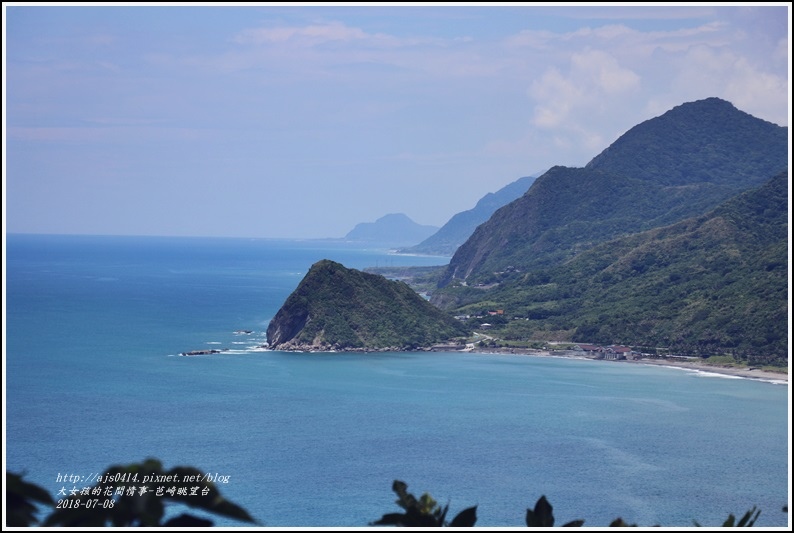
[{"x": 94, "y": 326}]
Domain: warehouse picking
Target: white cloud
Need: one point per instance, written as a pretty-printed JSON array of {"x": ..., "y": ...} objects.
[
  {"x": 782, "y": 50},
  {"x": 307, "y": 99},
  {"x": 595, "y": 83},
  {"x": 321, "y": 51},
  {"x": 556, "y": 95},
  {"x": 621, "y": 37},
  {"x": 708, "y": 72},
  {"x": 329, "y": 32},
  {"x": 601, "y": 70},
  {"x": 578, "y": 102}
]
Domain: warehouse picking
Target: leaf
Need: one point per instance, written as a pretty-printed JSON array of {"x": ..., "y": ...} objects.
[
  {"x": 465, "y": 518},
  {"x": 406, "y": 500},
  {"x": 145, "y": 508},
  {"x": 441, "y": 514},
  {"x": 186, "y": 520},
  {"x": 413, "y": 518},
  {"x": 77, "y": 516},
  {"x": 748, "y": 519},
  {"x": 426, "y": 504},
  {"x": 212, "y": 501},
  {"x": 542, "y": 515},
  {"x": 390, "y": 519},
  {"x": 21, "y": 500},
  {"x": 574, "y": 523}
]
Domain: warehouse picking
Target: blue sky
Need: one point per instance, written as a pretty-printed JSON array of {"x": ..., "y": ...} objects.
[{"x": 300, "y": 121}]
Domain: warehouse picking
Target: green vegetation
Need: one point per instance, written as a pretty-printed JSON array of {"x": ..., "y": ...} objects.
[
  {"x": 567, "y": 211},
  {"x": 716, "y": 284},
  {"x": 143, "y": 508},
  {"x": 425, "y": 512},
  {"x": 140, "y": 505},
  {"x": 704, "y": 141},
  {"x": 679, "y": 165},
  {"x": 460, "y": 227},
  {"x": 663, "y": 240},
  {"x": 342, "y": 309}
]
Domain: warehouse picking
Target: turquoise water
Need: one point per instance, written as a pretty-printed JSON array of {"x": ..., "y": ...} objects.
[{"x": 92, "y": 379}]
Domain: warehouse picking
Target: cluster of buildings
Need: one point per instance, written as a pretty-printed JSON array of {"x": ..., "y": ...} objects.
[{"x": 618, "y": 353}]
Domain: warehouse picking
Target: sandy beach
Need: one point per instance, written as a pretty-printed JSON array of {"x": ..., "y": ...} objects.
[{"x": 746, "y": 372}]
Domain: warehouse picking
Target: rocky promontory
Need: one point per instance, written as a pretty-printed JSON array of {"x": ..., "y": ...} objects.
[{"x": 335, "y": 308}]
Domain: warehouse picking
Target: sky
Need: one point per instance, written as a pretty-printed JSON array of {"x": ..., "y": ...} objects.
[{"x": 301, "y": 121}]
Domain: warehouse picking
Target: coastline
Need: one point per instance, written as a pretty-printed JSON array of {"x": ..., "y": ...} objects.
[
  {"x": 747, "y": 372},
  {"x": 691, "y": 365},
  {"x": 695, "y": 366}
]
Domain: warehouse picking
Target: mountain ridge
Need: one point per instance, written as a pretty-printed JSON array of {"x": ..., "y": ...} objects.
[
  {"x": 665, "y": 179},
  {"x": 461, "y": 225},
  {"x": 643, "y": 247},
  {"x": 709, "y": 284}
]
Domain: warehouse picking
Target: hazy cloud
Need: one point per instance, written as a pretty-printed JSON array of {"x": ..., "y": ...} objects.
[
  {"x": 329, "y": 32},
  {"x": 576, "y": 103},
  {"x": 307, "y": 35},
  {"x": 621, "y": 37},
  {"x": 420, "y": 110}
]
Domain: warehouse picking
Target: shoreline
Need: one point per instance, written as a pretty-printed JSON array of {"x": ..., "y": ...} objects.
[
  {"x": 695, "y": 366},
  {"x": 747, "y": 372},
  {"x": 691, "y": 365}
]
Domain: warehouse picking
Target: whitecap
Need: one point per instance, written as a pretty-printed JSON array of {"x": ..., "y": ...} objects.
[{"x": 704, "y": 373}]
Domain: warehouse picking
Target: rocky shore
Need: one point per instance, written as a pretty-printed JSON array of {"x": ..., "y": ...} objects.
[
  {"x": 204, "y": 352},
  {"x": 694, "y": 365},
  {"x": 314, "y": 348}
]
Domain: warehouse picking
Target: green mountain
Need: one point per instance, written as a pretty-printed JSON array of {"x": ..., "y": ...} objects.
[
  {"x": 395, "y": 229},
  {"x": 461, "y": 226},
  {"x": 336, "y": 308},
  {"x": 674, "y": 238},
  {"x": 675, "y": 166},
  {"x": 711, "y": 284}
]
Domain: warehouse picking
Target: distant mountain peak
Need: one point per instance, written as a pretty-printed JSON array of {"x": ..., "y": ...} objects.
[
  {"x": 395, "y": 217},
  {"x": 394, "y": 229}
]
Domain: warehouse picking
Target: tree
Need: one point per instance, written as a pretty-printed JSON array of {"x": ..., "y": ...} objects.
[
  {"x": 124, "y": 496},
  {"x": 142, "y": 503}
]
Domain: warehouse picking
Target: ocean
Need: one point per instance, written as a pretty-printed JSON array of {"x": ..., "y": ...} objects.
[{"x": 94, "y": 326}]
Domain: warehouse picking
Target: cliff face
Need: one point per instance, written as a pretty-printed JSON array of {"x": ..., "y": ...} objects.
[{"x": 336, "y": 308}]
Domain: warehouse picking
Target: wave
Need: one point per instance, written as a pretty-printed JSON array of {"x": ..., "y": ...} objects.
[{"x": 707, "y": 373}]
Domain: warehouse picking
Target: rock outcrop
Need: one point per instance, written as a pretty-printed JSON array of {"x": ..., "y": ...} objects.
[{"x": 336, "y": 308}]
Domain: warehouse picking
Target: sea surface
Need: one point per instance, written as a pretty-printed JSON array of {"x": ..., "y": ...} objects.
[{"x": 94, "y": 326}]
